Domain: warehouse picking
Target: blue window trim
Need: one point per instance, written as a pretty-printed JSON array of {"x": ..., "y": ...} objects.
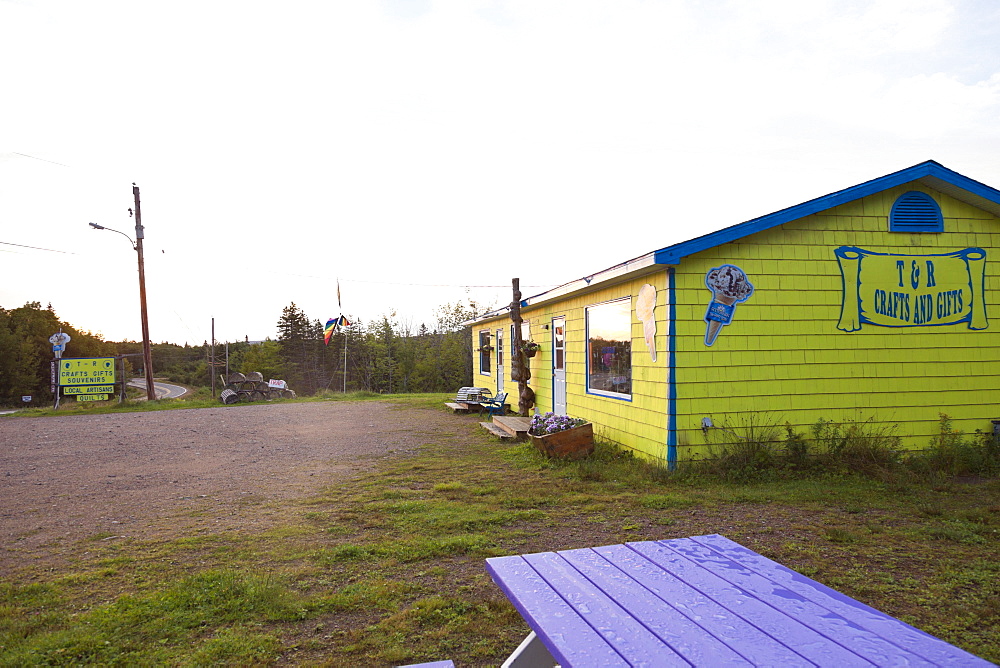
[
  {"x": 586, "y": 382},
  {"x": 484, "y": 355},
  {"x": 915, "y": 211},
  {"x": 671, "y": 373}
]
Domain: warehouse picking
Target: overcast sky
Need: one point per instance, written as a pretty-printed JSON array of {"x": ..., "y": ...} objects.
[{"x": 416, "y": 148}]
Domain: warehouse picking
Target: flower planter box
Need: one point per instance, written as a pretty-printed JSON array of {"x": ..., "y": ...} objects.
[{"x": 568, "y": 444}]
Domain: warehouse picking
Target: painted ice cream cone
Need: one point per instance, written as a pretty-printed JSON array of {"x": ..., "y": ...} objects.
[
  {"x": 729, "y": 286},
  {"x": 644, "y": 306},
  {"x": 712, "y": 331},
  {"x": 649, "y": 332}
]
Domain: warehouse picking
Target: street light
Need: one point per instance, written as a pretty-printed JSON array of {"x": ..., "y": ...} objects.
[{"x": 147, "y": 353}]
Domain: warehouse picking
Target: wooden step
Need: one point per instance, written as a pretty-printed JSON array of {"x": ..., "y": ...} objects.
[
  {"x": 458, "y": 406},
  {"x": 514, "y": 425},
  {"x": 497, "y": 431}
]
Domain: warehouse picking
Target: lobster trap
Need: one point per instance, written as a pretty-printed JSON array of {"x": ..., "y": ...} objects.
[{"x": 252, "y": 387}]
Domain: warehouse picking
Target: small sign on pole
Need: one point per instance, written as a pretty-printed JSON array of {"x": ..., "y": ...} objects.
[
  {"x": 26, "y": 398},
  {"x": 59, "y": 339}
]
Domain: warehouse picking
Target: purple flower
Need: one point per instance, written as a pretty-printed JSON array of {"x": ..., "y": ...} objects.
[{"x": 550, "y": 423}]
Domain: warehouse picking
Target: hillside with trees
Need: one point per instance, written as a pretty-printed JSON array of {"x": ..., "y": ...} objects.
[{"x": 384, "y": 356}]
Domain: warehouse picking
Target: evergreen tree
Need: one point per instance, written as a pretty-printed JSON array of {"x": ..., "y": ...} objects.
[
  {"x": 300, "y": 340},
  {"x": 266, "y": 358}
]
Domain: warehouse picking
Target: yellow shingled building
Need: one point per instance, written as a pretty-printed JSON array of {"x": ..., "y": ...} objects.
[{"x": 868, "y": 305}]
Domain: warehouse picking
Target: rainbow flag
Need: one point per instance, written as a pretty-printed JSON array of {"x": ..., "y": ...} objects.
[{"x": 334, "y": 325}]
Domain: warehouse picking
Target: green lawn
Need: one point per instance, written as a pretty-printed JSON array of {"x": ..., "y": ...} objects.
[{"x": 389, "y": 568}]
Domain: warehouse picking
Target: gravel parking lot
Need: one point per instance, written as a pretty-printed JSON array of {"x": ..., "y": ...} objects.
[{"x": 66, "y": 478}]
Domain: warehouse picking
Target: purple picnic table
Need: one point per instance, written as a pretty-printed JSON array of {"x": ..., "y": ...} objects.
[{"x": 699, "y": 601}]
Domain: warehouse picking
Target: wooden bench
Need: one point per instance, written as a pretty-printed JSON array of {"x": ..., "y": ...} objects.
[
  {"x": 700, "y": 601},
  {"x": 467, "y": 399}
]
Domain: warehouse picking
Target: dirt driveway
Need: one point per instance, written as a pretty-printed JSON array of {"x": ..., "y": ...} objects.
[{"x": 158, "y": 473}]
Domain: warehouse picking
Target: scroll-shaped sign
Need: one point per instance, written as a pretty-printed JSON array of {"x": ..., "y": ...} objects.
[
  {"x": 893, "y": 290},
  {"x": 277, "y": 384}
]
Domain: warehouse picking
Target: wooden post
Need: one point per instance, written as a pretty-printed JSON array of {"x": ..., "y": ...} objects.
[
  {"x": 520, "y": 368},
  {"x": 212, "y": 360},
  {"x": 147, "y": 354}
]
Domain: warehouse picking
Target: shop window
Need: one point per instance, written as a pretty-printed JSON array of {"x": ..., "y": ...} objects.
[
  {"x": 609, "y": 348},
  {"x": 915, "y": 212},
  {"x": 484, "y": 353}
]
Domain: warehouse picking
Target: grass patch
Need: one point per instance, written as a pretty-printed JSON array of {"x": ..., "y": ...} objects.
[
  {"x": 163, "y": 626},
  {"x": 388, "y": 569}
]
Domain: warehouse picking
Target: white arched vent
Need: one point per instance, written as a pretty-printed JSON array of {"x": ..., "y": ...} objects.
[{"x": 916, "y": 212}]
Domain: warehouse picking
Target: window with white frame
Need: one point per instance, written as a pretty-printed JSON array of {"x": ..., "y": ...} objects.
[{"x": 609, "y": 348}]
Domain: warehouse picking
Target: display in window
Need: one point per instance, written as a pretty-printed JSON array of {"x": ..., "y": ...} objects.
[{"x": 609, "y": 328}]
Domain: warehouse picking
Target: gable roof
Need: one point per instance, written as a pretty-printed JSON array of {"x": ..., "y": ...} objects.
[{"x": 929, "y": 173}]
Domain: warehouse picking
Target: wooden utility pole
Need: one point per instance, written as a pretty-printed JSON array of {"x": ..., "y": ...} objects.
[
  {"x": 520, "y": 368},
  {"x": 147, "y": 353},
  {"x": 211, "y": 361}
]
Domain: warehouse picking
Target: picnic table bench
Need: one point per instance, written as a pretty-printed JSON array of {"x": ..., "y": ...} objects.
[
  {"x": 699, "y": 601},
  {"x": 468, "y": 398}
]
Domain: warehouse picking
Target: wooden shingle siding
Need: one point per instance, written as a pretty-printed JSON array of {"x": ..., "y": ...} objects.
[
  {"x": 638, "y": 423},
  {"x": 811, "y": 342},
  {"x": 782, "y": 359}
]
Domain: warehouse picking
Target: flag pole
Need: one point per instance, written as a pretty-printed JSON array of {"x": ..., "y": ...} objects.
[{"x": 340, "y": 307}]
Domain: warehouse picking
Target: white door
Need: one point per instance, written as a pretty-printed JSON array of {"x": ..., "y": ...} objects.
[
  {"x": 559, "y": 366},
  {"x": 499, "y": 361}
]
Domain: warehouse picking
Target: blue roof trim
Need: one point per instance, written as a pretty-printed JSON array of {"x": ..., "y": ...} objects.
[{"x": 930, "y": 169}]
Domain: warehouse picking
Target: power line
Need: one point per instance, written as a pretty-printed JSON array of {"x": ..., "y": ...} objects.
[
  {"x": 416, "y": 285},
  {"x": 51, "y": 250},
  {"x": 25, "y": 155}
]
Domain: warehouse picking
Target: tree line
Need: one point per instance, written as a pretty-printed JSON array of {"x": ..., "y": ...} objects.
[{"x": 384, "y": 356}]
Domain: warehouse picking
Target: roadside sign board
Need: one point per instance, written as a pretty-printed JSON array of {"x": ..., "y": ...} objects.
[
  {"x": 87, "y": 371},
  {"x": 92, "y": 397},
  {"x": 89, "y": 389}
]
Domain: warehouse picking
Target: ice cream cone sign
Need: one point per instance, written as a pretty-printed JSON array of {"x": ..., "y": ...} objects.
[
  {"x": 729, "y": 286},
  {"x": 644, "y": 306}
]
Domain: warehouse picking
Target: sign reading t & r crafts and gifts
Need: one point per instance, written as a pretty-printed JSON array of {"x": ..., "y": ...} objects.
[{"x": 893, "y": 290}]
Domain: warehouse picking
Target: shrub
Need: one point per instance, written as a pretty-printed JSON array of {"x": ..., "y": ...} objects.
[
  {"x": 953, "y": 453},
  {"x": 868, "y": 447},
  {"x": 796, "y": 447},
  {"x": 743, "y": 452}
]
